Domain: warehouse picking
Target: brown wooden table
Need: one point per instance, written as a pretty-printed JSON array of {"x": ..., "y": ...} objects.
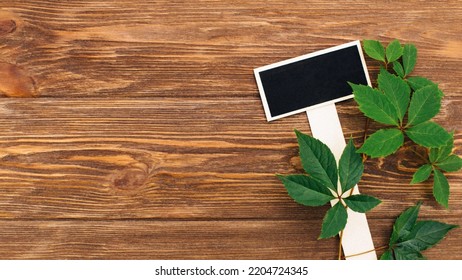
[{"x": 147, "y": 139}]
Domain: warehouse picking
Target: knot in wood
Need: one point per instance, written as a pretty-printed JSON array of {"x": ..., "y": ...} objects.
[
  {"x": 130, "y": 178},
  {"x": 16, "y": 82},
  {"x": 7, "y": 26}
]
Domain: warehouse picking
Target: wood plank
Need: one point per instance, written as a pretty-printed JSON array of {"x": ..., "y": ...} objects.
[
  {"x": 149, "y": 139},
  {"x": 205, "y": 47},
  {"x": 179, "y": 240},
  {"x": 176, "y": 158}
]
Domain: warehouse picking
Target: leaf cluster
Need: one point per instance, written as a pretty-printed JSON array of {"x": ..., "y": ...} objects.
[
  {"x": 406, "y": 106},
  {"x": 406, "y": 103},
  {"x": 410, "y": 237},
  {"x": 439, "y": 160},
  {"x": 325, "y": 182}
]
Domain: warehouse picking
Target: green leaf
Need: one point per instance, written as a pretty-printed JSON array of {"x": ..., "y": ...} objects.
[
  {"x": 394, "y": 51},
  {"x": 397, "y": 91},
  {"x": 425, "y": 104},
  {"x": 374, "y": 49},
  {"x": 450, "y": 164},
  {"x": 409, "y": 237},
  {"x": 387, "y": 256},
  {"x": 351, "y": 167},
  {"x": 334, "y": 221},
  {"x": 409, "y": 58},
  {"x": 361, "y": 203},
  {"x": 405, "y": 253},
  {"x": 374, "y": 104},
  {"x": 422, "y": 174},
  {"x": 440, "y": 188},
  {"x": 398, "y": 68},
  {"x": 382, "y": 143},
  {"x": 425, "y": 234},
  {"x": 417, "y": 83},
  {"x": 306, "y": 190},
  {"x": 404, "y": 224},
  {"x": 442, "y": 153},
  {"x": 318, "y": 160},
  {"x": 428, "y": 134}
]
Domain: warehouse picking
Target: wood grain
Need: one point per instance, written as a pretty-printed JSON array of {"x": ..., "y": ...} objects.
[
  {"x": 168, "y": 158},
  {"x": 147, "y": 139},
  {"x": 134, "y": 239},
  {"x": 207, "y": 48}
]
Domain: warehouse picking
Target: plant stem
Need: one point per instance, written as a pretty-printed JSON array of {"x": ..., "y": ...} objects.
[
  {"x": 366, "y": 127},
  {"x": 351, "y": 191},
  {"x": 420, "y": 156},
  {"x": 340, "y": 246},
  {"x": 359, "y": 254}
]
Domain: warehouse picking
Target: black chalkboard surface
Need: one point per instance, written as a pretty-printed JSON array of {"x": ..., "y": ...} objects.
[{"x": 292, "y": 86}]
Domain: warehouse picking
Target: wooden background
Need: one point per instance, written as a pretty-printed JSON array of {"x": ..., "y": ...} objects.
[{"x": 146, "y": 137}]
